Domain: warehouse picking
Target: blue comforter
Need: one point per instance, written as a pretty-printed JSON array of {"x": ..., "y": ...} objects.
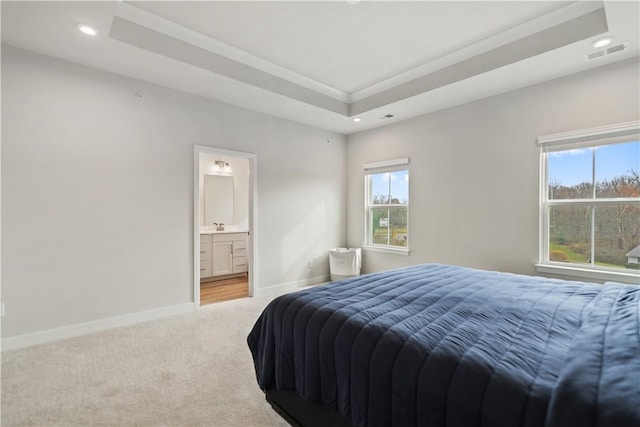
[{"x": 435, "y": 345}]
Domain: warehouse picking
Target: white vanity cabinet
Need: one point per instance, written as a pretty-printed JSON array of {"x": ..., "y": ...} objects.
[{"x": 223, "y": 253}]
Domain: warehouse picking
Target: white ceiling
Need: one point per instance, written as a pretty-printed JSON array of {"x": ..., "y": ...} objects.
[{"x": 321, "y": 63}]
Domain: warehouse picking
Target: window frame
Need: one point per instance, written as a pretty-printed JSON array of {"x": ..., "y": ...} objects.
[
  {"x": 587, "y": 138},
  {"x": 371, "y": 169}
]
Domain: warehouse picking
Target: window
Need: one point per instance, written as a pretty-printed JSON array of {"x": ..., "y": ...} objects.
[
  {"x": 590, "y": 194},
  {"x": 387, "y": 205}
]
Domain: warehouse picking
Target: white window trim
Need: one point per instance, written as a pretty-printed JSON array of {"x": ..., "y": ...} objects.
[
  {"x": 587, "y": 273},
  {"x": 367, "y": 246},
  {"x": 386, "y": 249},
  {"x": 601, "y": 135}
]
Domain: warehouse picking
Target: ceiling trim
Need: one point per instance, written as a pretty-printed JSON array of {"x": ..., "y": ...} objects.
[
  {"x": 580, "y": 28},
  {"x": 526, "y": 29},
  {"x": 163, "y": 37},
  {"x": 153, "y": 41},
  {"x": 164, "y": 26}
]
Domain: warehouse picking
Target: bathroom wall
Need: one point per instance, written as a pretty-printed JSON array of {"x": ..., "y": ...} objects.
[{"x": 241, "y": 185}]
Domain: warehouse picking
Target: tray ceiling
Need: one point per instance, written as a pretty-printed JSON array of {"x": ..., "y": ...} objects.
[{"x": 322, "y": 63}]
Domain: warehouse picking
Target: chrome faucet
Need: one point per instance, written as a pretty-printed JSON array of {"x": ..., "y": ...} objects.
[{"x": 219, "y": 227}]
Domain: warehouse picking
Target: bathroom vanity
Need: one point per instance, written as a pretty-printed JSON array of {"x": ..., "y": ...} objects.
[{"x": 223, "y": 252}]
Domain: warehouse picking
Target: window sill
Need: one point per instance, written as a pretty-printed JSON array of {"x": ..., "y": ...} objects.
[
  {"x": 384, "y": 249},
  {"x": 614, "y": 276}
]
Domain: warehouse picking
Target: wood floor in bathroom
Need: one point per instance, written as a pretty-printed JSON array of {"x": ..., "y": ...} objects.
[{"x": 224, "y": 290}]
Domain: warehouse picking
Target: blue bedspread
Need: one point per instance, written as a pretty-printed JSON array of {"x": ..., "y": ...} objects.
[{"x": 435, "y": 345}]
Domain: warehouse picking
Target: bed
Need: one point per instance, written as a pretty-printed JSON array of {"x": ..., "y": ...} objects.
[{"x": 437, "y": 345}]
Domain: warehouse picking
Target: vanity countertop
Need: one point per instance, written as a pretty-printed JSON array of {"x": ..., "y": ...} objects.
[{"x": 212, "y": 230}]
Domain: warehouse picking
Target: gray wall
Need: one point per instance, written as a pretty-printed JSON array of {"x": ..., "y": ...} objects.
[
  {"x": 474, "y": 170},
  {"x": 97, "y": 184},
  {"x": 97, "y": 192}
]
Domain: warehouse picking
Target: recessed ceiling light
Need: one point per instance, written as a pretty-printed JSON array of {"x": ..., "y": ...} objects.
[
  {"x": 83, "y": 28},
  {"x": 602, "y": 42},
  {"x": 356, "y": 119}
]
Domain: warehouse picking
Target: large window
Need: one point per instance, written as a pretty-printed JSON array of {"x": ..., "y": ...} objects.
[
  {"x": 590, "y": 194},
  {"x": 387, "y": 204}
]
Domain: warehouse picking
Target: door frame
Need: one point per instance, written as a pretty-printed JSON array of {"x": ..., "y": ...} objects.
[{"x": 253, "y": 214}]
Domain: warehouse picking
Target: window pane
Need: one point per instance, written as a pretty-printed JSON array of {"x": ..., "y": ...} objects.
[
  {"x": 390, "y": 188},
  {"x": 617, "y": 169},
  {"x": 570, "y": 174},
  {"x": 398, "y": 226},
  {"x": 399, "y": 187},
  {"x": 380, "y": 188},
  {"x": 380, "y": 226},
  {"x": 617, "y": 234},
  {"x": 570, "y": 234}
]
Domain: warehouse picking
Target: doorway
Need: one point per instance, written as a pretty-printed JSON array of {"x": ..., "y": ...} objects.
[{"x": 224, "y": 225}]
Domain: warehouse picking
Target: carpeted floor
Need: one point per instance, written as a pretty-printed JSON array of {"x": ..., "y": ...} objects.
[{"x": 188, "y": 370}]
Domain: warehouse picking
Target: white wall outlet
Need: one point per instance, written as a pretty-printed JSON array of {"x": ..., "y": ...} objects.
[
  {"x": 2, "y": 310},
  {"x": 309, "y": 264}
]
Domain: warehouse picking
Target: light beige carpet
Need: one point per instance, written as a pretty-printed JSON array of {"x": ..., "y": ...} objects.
[{"x": 187, "y": 370}]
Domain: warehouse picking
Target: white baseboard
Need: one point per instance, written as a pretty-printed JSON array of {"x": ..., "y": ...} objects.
[
  {"x": 277, "y": 290},
  {"x": 26, "y": 340},
  {"x": 48, "y": 335}
]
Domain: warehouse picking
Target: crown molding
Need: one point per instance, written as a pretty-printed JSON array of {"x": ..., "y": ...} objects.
[
  {"x": 531, "y": 27},
  {"x": 161, "y": 25},
  {"x": 154, "y": 22}
]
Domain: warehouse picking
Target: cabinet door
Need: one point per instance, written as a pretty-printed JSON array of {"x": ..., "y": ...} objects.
[{"x": 222, "y": 260}]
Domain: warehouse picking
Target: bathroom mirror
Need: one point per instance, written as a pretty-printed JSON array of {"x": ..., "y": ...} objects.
[{"x": 218, "y": 199}]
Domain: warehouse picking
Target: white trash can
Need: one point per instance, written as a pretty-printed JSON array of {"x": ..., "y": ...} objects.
[{"x": 344, "y": 262}]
